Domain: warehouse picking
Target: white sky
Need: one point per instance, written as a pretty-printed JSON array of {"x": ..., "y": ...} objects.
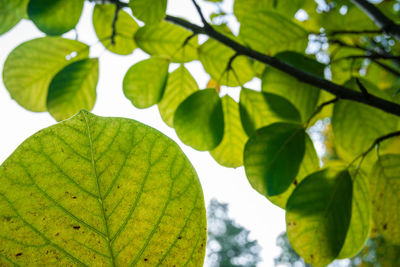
[{"x": 247, "y": 207}]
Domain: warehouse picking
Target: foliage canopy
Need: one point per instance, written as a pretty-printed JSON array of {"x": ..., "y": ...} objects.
[{"x": 335, "y": 59}]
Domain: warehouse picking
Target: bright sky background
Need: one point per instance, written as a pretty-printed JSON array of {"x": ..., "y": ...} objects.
[{"x": 247, "y": 207}]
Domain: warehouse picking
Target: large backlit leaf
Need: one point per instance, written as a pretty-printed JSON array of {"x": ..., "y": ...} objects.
[
  {"x": 125, "y": 29},
  {"x": 168, "y": 40},
  {"x": 93, "y": 191},
  {"x": 215, "y": 58},
  {"x": 309, "y": 164},
  {"x": 356, "y": 126},
  {"x": 258, "y": 109},
  {"x": 55, "y": 17},
  {"x": 73, "y": 89},
  {"x": 303, "y": 96},
  {"x": 199, "y": 120},
  {"x": 11, "y": 12},
  {"x": 360, "y": 222},
  {"x": 284, "y": 7},
  {"x": 149, "y": 11},
  {"x": 30, "y": 67},
  {"x": 144, "y": 83},
  {"x": 318, "y": 216},
  {"x": 272, "y": 157},
  {"x": 270, "y": 33},
  {"x": 385, "y": 192},
  {"x": 229, "y": 152},
  {"x": 342, "y": 67},
  {"x": 180, "y": 85}
]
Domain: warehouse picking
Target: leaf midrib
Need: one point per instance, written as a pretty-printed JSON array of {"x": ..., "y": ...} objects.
[{"x": 100, "y": 199}]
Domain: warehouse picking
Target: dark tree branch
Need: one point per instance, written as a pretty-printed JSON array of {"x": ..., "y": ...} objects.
[
  {"x": 362, "y": 88},
  {"x": 380, "y": 19},
  {"x": 320, "y": 107},
  {"x": 333, "y": 33},
  {"x": 338, "y": 90}
]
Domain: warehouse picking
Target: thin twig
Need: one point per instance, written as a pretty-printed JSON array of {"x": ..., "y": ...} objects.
[
  {"x": 333, "y": 33},
  {"x": 319, "y": 109},
  {"x": 203, "y": 19},
  {"x": 114, "y": 24},
  {"x": 362, "y": 88}
]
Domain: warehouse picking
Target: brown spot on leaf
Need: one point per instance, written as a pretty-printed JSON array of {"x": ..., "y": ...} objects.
[
  {"x": 179, "y": 237},
  {"x": 146, "y": 259},
  {"x": 295, "y": 182},
  {"x": 76, "y": 227},
  {"x": 18, "y": 254},
  {"x": 385, "y": 226}
]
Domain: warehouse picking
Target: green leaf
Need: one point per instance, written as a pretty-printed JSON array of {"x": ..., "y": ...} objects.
[
  {"x": 385, "y": 192},
  {"x": 73, "y": 89},
  {"x": 356, "y": 126},
  {"x": 168, "y": 40},
  {"x": 148, "y": 11},
  {"x": 11, "y": 12},
  {"x": 125, "y": 29},
  {"x": 229, "y": 152},
  {"x": 55, "y": 17},
  {"x": 93, "y": 191},
  {"x": 344, "y": 68},
  {"x": 215, "y": 58},
  {"x": 287, "y": 8},
  {"x": 309, "y": 164},
  {"x": 31, "y": 66},
  {"x": 318, "y": 216},
  {"x": 199, "y": 120},
  {"x": 270, "y": 33},
  {"x": 180, "y": 85},
  {"x": 144, "y": 83},
  {"x": 360, "y": 222},
  {"x": 303, "y": 96},
  {"x": 258, "y": 109},
  {"x": 272, "y": 157}
]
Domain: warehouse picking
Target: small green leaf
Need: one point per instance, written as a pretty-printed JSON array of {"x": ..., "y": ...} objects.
[
  {"x": 93, "y": 191},
  {"x": 168, "y": 40},
  {"x": 272, "y": 157},
  {"x": 270, "y": 33},
  {"x": 55, "y": 17},
  {"x": 309, "y": 164},
  {"x": 360, "y": 222},
  {"x": 144, "y": 83},
  {"x": 149, "y": 11},
  {"x": 258, "y": 109},
  {"x": 303, "y": 96},
  {"x": 215, "y": 58},
  {"x": 73, "y": 89},
  {"x": 199, "y": 120},
  {"x": 356, "y": 126},
  {"x": 229, "y": 152},
  {"x": 11, "y": 12},
  {"x": 318, "y": 216},
  {"x": 180, "y": 85},
  {"x": 31, "y": 66},
  {"x": 125, "y": 29},
  {"x": 385, "y": 192}
]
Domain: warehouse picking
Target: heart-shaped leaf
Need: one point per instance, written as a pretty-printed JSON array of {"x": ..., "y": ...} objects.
[{"x": 93, "y": 191}]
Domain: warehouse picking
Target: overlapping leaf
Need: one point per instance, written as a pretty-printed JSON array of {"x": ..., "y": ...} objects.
[
  {"x": 385, "y": 191},
  {"x": 144, "y": 83},
  {"x": 168, "y": 40},
  {"x": 229, "y": 152},
  {"x": 270, "y": 33},
  {"x": 199, "y": 120},
  {"x": 73, "y": 89},
  {"x": 180, "y": 85},
  {"x": 309, "y": 164},
  {"x": 30, "y": 67},
  {"x": 100, "y": 192},
  {"x": 272, "y": 157},
  {"x": 258, "y": 109},
  {"x": 55, "y": 17},
  {"x": 125, "y": 29},
  {"x": 318, "y": 216},
  {"x": 11, "y": 12},
  {"x": 303, "y": 96},
  {"x": 215, "y": 58},
  {"x": 149, "y": 11}
]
